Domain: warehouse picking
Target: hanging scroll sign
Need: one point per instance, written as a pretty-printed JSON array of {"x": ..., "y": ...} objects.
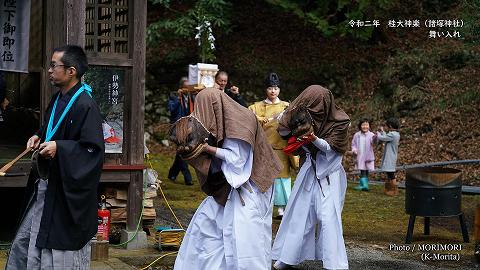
[{"x": 15, "y": 22}]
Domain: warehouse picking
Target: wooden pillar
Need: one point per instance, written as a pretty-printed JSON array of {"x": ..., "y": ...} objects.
[
  {"x": 54, "y": 35},
  {"x": 64, "y": 24},
  {"x": 136, "y": 103},
  {"x": 74, "y": 11}
]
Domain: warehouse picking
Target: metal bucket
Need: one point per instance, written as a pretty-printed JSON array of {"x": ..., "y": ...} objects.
[{"x": 433, "y": 192}]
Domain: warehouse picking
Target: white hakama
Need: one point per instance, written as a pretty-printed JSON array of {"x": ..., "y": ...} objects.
[
  {"x": 234, "y": 236},
  {"x": 311, "y": 204}
]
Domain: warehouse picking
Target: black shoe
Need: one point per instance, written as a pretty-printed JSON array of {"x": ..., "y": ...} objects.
[
  {"x": 172, "y": 178},
  {"x": 189, "y": 183}
]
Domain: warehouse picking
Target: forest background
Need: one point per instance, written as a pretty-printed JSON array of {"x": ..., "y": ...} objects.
[{"x": 427, "y": 76}]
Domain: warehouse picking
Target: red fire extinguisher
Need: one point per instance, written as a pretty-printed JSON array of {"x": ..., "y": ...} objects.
[{"x": 103, "y": 220}]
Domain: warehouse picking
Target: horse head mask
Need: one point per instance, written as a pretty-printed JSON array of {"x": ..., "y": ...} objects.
[
  {"x": 190, "y": 137},
  {"x": 300, "y": 122}
]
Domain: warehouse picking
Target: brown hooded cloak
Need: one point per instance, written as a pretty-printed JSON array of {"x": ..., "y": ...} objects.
[
  {"x": 330, "y": 122},
  {"x": 225, "y": 118}
]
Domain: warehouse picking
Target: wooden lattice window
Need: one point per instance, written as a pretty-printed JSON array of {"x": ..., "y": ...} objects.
[{"x": 106, "y": 26}]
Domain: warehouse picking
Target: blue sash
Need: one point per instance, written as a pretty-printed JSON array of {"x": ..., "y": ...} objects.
[{"x": 51, "y": 131}]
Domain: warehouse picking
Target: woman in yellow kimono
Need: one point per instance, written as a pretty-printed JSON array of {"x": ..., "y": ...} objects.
[{"x": 267, "y": 111}]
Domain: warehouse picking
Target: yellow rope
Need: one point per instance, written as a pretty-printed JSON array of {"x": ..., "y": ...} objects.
[
  {"x": 152, "y": 263},
  {"x": 165, "y": 198},
  {"x": 172, "y": 237}
]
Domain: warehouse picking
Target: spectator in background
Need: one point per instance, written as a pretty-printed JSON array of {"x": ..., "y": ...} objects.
[
  {"x": 178, "y": 106},
  {"x": 362, "y": 149},
  {"x": 266, "y": 111},
  {"x": 391, "y": 137},
  {"x": 221, "y": 81}
]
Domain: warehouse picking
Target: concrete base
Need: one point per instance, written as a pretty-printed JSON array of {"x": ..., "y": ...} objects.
[{"x": 139, "y": 242}]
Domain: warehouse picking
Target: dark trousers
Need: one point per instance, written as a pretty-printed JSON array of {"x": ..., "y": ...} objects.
[
  {"x": 391, "y": 175},
  {"x": 177, "y": 166}
]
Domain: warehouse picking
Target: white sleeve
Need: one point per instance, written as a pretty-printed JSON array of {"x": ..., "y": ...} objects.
[
  {"x": 237, "y": 161},
  {"x": 322, "y": 145},
  {"x": 280, "y": 115},
  {"x": 327, "y": 159},
  {"x": 220, "y": 153}
]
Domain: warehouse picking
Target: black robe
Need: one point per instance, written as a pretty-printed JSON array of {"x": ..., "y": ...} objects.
[
  {"x": 69, "y": 217},
  {"x": 237, "y": 97}
]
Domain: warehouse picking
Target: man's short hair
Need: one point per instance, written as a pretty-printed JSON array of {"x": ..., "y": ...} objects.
[
  {"x": 221, "y": 72},
  {"x": 74, "y": 56},
  {"x": 182, "y": 80}
]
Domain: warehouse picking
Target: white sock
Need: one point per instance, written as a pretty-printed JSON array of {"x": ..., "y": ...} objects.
[
  {"x": 280, "y": 211},
  {"x": 280, "y": 265}
]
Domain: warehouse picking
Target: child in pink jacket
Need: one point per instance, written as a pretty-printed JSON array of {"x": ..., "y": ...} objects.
[{"x": 362, "y": 148}]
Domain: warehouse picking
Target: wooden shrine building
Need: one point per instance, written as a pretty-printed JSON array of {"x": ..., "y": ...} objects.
[{"x": 112, "y": 32}]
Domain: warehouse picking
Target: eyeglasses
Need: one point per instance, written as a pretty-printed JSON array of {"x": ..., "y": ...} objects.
[{"x": 54, "y": 65}]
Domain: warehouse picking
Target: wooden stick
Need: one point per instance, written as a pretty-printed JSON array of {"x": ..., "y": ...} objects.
[
  {"x": 2, "y": 174},
  {"x": 10, "y": 164}
]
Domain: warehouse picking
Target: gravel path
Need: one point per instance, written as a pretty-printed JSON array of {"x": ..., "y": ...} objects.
[
  {"x": 363, "y": 258},
  {"x": 359, "y": 258}
]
